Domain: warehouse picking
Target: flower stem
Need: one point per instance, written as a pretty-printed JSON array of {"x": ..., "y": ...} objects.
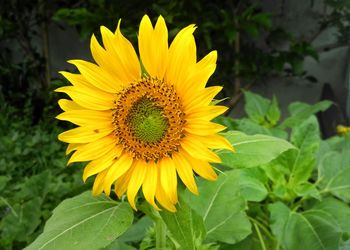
[
  {"x": 160, "y": 234},
  {"x": 262, "y": 243},
  {"x": 160, "y": 226}
]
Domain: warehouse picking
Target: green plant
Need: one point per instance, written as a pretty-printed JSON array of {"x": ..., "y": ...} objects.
[
  {"x": 270, "y": 194},
  {"x": 33, "y": 177}
]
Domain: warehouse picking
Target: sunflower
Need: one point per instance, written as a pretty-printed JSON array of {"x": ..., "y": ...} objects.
[{"x": 143, "y": 120}]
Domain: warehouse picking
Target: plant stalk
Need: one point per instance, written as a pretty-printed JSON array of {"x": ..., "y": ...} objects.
[
  {"x": 262, "y": 243},
  {"x": 160, "y": 234},
  {"x": 160, "y": 226}
]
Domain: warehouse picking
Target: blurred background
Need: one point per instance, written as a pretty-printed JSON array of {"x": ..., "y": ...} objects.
[{"x": 284, "y": 50}]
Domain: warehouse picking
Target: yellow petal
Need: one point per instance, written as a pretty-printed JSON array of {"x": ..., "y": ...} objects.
[
  {"x": 168, "y": 178},
  {"x": 200, "y": 98},
  {"x": 86, "y": 94},
  {"x": 184, "y": 170},
  {"x": 124, "y": 54},
  {"x": 119, "y": 168},
  {"x": 121, "y": 185},
  {"x": 153, "y": 46},
  {"x": 84, "y": 135},
  {"x": 88, "y": 118},
  {"x": 197, "y": 150},
  {"x": 206, "y": 112},
  {"x": 182, "y": 58},
  {"x": 97, "y": 76},
  {"x": 198, "y": 79},
  {"x": 88, "y": 97},
  {"x": 209, "y": 59},
  {"x": 215, "y": 142},
  {"x": 106, "y": 61},
  {"x": 109, "y": 42},
  {"x": 163, "y": 199},
  {"x": 203, "y": 128},
  {"x": 67, "y": 105},
  {"x": 136, "y": 180},
  {"x": 72, "y": 147},
  {"x": 77, "y": 80},
  {"x": 150, "y": 183},
  {"x": 93, "y": 150},
  {"x": 100, "y": 164},
  {"x": 201, "y": 167},
  {"x": 127, "y": 55},
  {"x": 97, "y": 188},
  {"x": 199, "y": 75}
]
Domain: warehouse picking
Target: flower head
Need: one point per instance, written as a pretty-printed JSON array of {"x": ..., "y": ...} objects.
[{"x": 143, "y": 130}]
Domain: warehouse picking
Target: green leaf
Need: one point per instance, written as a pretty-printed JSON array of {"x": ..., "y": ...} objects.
[
  {"x": 279, "y": 214},
  {"x": 252, "y": 150},
  {"x": 256, "y": 106},
  {"x": 301, "y": 111},
  {"x": 119, "y": 245},
  {"x": 137, "y": 231},
  {"x": 35, "y": 186},
  {"x": 334, "y": 174},
  {"x": 84, "y": 222},
  {"x": 308, "y": 190},
  {"x": 227, "y": 121},
  {"x": 185, "y": 226},
  {"x": 316, "y": 228},
  {"x": 273, "y": 113},
  {"x": 263, "y": 19},
  {"x": 338, "y": 209},
  {"x": 251, "y": 184},
  {"x": 249, "y": 243},
  {"x": 278, "y": 169},
  {"x": 21, "y": 220},
  {"x": 251, "y": 128},
  {"x": 305, "y": 136},
  {"x": 296, "y": 165},
  {"x": 222, "y": 208},
  {"x": 339, "y": 143},
  {"x": 3, "y": 181}
]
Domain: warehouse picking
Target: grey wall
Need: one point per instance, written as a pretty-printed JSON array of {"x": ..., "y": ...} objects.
[{"x": 301, "y": 18}]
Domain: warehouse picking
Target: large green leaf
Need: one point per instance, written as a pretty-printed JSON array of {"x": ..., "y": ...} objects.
[
  {"x": 313, "y": 229},
  {"x": 301, "y": 111},
  {"x": 222, "y": 208},
  {"x": 334, "y": 174},
  {"x": 338, "y": 209},
  {"x": 185, "y": 226},
  {"x": 84, "y": 222},
  {"x": 305, "y": 136},
  {"x": 252, "y": 150},
  {"x": 279, "y": 214},
  {"x": 252, "y": 184},
  {"x": 339, "y": 143}
]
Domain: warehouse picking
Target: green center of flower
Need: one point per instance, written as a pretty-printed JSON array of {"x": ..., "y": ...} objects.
[{"x": 147, "y": 121}]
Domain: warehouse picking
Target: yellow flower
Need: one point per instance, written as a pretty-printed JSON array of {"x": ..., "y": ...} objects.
[{"x": 143, "y": 130}]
